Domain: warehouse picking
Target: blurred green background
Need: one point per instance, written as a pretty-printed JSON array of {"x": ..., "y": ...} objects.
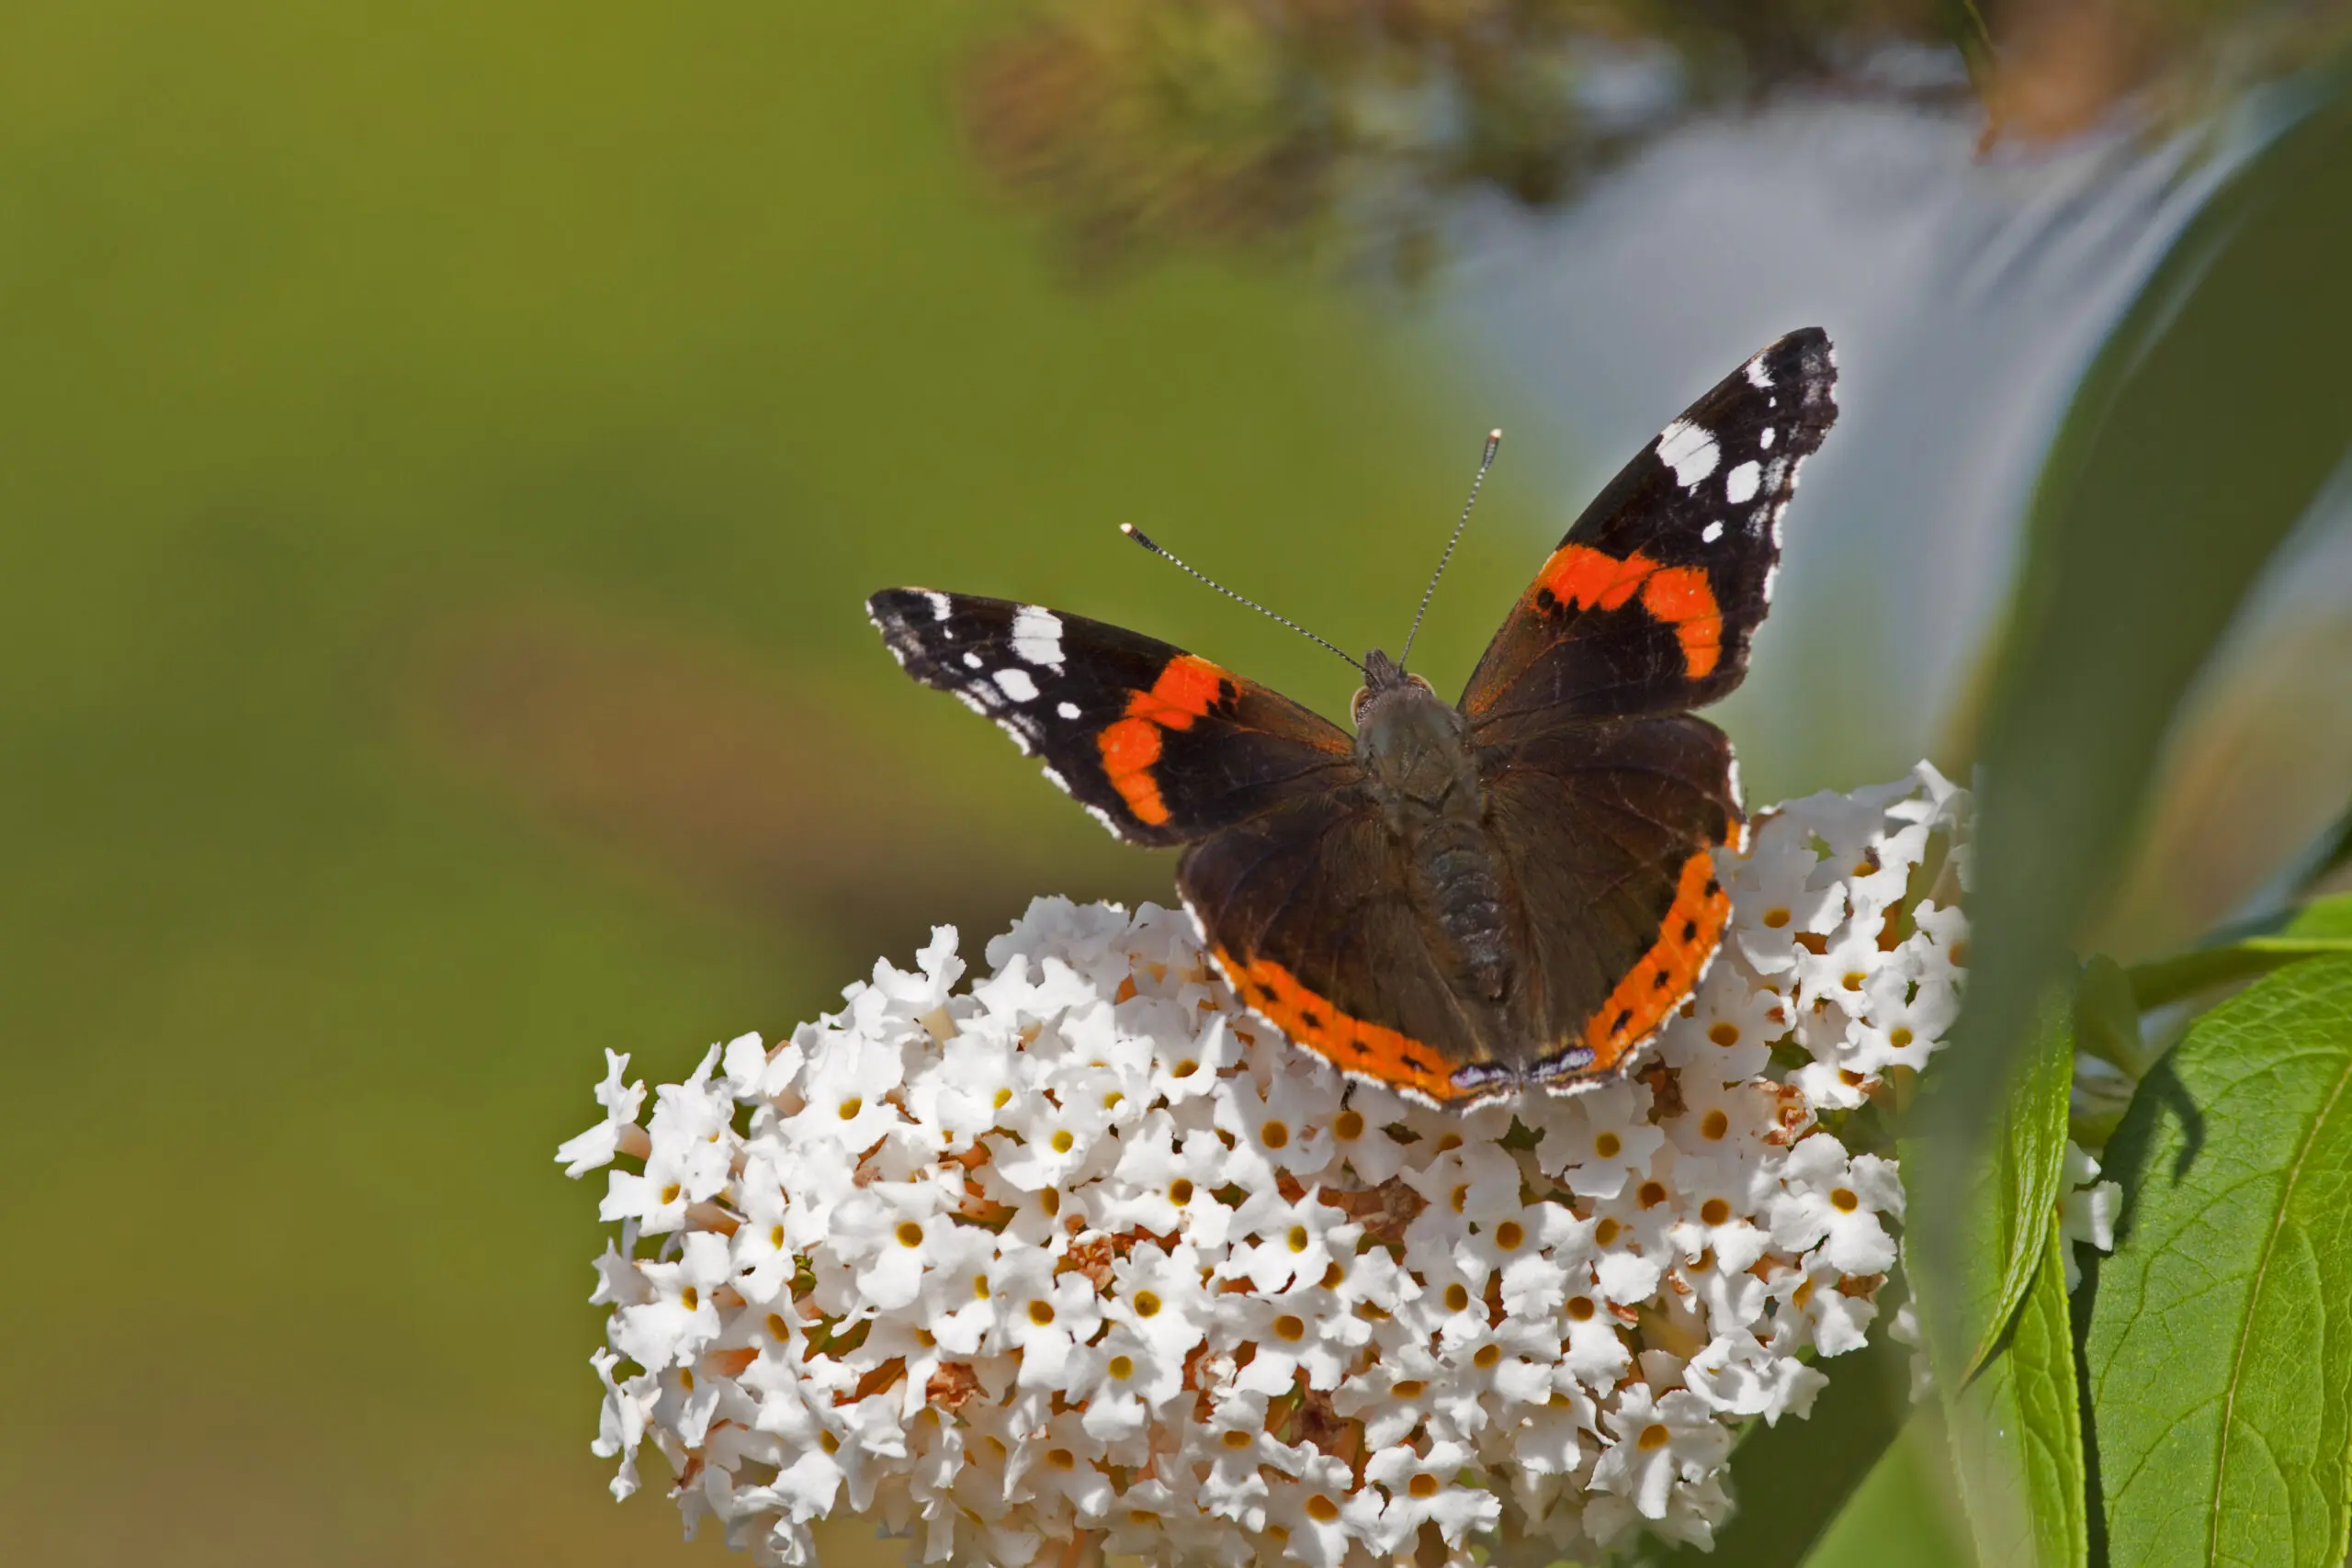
[{"x": 445, "y": 452}]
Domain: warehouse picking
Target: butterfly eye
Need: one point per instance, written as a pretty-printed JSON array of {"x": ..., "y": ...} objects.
[
  {"x": 1423, "y": 683},
  {"x": 1355, "y": 704}
]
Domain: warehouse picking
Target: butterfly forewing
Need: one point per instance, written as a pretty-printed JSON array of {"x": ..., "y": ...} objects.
[
  {"x": 1648, "y": 603},
  {"x": 1162, "y": 746}
]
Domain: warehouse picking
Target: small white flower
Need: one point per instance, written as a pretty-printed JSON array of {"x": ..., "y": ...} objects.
[
  {"x": 1130, "y": 1379},
  {"x": 1161, "y": 1295},
  {"x": 681, "y": 1316},
  {"x": 1322, "y": 1512},
  {"x": 1360, "y": 1134},
  {"x": 620, "y": 1425},
  {"x": 2086, "y": 1211},
  {"x": 1420, "y": 1490},
  {"x": 1839, "y": 976},
  {"x": 1833, "y": 1308},
  {"x": 1718, "y": 1198},
  {"x": 1045, "y": 1317},
  {"x": 596, "y": 1147},
  {"x": 1740, "y": 1374},
  {"x": 1596, "y": 1352},
  {"x": 1659, "y": 1440},
  {"x": 1905, "y": 1330},
  {"x": 1775, "y": 900},
  {"x": 1290, "y": 1122},
  {"x": 1392, "y": 1396},
  {"x": 846, "y": 1092},
  {"x": 1835, "y": 1203},
  {"x": 1616, "y": 1140},
  {"x": 1291, "y": 1242},
  {"x": 1729, "y": 1034},
  {"x": 1724, "y": 1120}
]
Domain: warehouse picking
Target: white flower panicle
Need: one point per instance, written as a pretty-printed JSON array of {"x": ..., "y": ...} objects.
[{"x": 1083, "y": 1257}]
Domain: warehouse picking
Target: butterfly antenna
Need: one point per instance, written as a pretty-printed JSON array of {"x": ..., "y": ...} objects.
[
  {"x": 1140, "y": 538},
  {"x": 1494, "y": 440}
]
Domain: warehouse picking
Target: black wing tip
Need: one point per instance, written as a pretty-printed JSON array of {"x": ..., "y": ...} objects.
[
  {"x": 1804, "y": 342},
  {"x": 1809, "y": 353}
]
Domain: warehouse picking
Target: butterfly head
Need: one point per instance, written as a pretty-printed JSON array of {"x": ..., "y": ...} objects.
[{"x": 1389, "y": 689}]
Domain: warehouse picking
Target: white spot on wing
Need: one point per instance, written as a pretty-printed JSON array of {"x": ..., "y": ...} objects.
[
  {"x": 971, "y": 662},
  {"x": 940, "y": 607},
  {"x": 1059, "y": 783},
  {"x": 1109, "y": 825},
  {"x": 1016, "y": 685},
  {"x": 1068, "y": 710},
  {"x": 1712, "y": 532},
  {"x": 1756, "y": 375},
  {"x": 1038, "y": 637},
  {"x": 1764, "y": 438},
  {"x": 1689, "y": 451},
  {"x": 1739, "y": 485}
]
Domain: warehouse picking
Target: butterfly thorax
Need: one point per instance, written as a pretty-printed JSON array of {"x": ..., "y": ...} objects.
[{"x": 1415, "y": 752}]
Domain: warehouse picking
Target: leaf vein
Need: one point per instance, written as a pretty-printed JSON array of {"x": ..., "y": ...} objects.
[{"x": 2245, "y": 1325}]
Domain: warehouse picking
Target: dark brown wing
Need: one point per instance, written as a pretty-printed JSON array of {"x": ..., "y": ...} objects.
[
  {"x": 1649, "y": 601},
  {"x": 1161, "y": 745},
  {"x": 1608, "y": 830},
  {"x": 1305, "y": 910}
]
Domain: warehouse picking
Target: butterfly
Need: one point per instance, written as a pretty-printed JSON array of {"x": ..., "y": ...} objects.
[{"x": 1456, "y": 901}]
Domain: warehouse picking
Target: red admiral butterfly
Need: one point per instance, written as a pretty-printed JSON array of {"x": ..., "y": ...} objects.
[{"x": 1453, "y": 902}]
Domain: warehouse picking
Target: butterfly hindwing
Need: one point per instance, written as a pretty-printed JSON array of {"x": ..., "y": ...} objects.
[
  {"x": 1162, "y": 746},
  {"x": 1609, "y": 830},
  {"x": 1648, "y": 604},
  {"x": 1305, "y": 913}
]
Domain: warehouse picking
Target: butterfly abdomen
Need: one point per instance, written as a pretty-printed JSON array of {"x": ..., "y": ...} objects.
[{"x": 1463, "y": 884}]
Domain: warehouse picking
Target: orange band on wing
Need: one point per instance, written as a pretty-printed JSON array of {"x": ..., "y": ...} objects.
[
  {"x": 1592, "y": 580},
  {"x": 1350, "y": 1043},
  {"x": 1130, "y": 746},
  {"x": 1655, "y": 986},
  {"x": 1185, "y": 691},
  {"x": 1683, "y": 599},
  {"x": 1681, "y": 596},
  {"x": 1187, "y": 688}
]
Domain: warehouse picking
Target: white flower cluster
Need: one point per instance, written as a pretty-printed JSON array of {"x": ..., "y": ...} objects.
[{"x": 1085, "y": 1257}]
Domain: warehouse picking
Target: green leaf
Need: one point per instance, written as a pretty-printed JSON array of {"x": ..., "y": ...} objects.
[
  {"x": 2185, "y": 975},
  {"x": 1791, "y": 1479},
  {"x": 2321, "y": 927},
  {"x": 2220, "y": 1345},
  {"x": 2107, "y": 1016},
  {"x": 2013, "y": 1195},
  {"x": 2323, "y": 918},
  {"x": 2331, "y": 854},
  {"x": 2017, "y": 1435},
  {"x": 2213, "y": 416},
  {"x": 2028, "y": 1171}
]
